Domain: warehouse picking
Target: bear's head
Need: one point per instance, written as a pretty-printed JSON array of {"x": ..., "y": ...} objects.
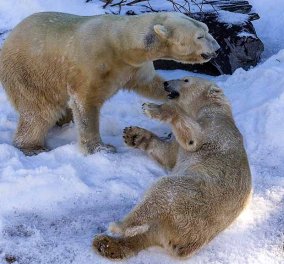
[
  {"x": 189, "y": 97},
  {"x": 184, "y": 39},
  {"x": 192, "y": 94}
]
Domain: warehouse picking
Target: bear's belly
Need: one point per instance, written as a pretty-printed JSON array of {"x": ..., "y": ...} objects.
[
  {"x": 28, "y": 78},
  {"x": 105, "y": 84}
]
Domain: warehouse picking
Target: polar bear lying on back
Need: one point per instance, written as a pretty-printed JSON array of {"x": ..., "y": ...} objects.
[
  {"x": 52, "y": 62},
  {"x": 210, "y": 180}
]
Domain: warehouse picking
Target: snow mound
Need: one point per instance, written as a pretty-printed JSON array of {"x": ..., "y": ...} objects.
[
  {"x": 51, "y": 205},
  {"x": 54, "y": 203},
  {"x": 270, "y": 26}
]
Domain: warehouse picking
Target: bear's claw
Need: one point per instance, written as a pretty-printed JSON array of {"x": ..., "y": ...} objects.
[
  {"x": 151, "y": 110},
  {"x": 137, "y": 137}
]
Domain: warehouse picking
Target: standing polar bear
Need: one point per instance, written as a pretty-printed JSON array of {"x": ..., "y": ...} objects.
[
  {"x": 52, "y": 62},
  {"x": 210, "y": 181}
]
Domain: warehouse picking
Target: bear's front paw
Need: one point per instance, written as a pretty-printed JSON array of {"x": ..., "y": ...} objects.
[
  {"x": 91, "y": 148},
  {"x": 137, "y": 137},
  {"x": 151, "y": 110},
  {"x": 105, "y": 147},
  {"x": 34, "y": 150}
]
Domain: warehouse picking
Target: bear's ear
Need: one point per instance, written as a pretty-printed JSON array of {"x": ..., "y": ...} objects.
[{"x": 161, "y": 31}]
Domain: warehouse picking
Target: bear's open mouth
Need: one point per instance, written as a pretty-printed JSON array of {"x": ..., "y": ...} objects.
[{"x": 171, "y": 92}]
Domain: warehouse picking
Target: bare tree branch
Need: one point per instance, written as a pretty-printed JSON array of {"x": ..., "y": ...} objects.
[{"x": 184, "y": 6}]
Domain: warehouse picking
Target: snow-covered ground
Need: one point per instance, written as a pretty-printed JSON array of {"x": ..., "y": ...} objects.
[{"x": 51, "y": 205}]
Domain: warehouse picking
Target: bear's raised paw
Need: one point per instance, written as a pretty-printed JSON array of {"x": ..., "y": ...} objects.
[{"x": 137, "y": 137}]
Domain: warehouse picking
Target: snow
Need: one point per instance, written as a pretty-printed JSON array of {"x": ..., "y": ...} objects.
[
  {"x": 51, "y": 205},
  {"x": 270, "y": 26},
  {"x": 13, "y": 11},
  {"x": 146, "y": 6},
  {"x": 246, "y": 34},
  {"x": 232, "y": 18}
]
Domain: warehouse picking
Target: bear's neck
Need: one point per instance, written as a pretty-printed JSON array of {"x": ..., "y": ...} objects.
[{"x": 140, "y": 44}]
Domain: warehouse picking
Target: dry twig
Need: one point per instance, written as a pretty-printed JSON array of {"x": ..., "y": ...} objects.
[{"x": 178, "y": 6}]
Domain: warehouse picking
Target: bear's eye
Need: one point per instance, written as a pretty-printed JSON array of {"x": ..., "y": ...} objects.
[
  {"x": 200, "y": 37},
  {"x": 185, "y": 80},
  {"x": 191, "y": 142}
]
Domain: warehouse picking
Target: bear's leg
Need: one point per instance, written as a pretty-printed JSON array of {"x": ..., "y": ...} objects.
[
  {"x": 123, "y": 247},
  {"x": 65, "y": 119},
  {"x": 164, "y": 152},
  {"x": 181, "y": 250},
  {"x": 163, "y": 112},
  {"x": 86, "y": 117},
  {"x": 30, "y": 134},
  {"x": 146, "y": 82},
  {"x": 152, "y": 89},
  {"x": 183, "y": 239},
  {"x": 146, "y": 215}
]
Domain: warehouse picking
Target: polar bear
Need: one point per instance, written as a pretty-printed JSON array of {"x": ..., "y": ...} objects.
[
  {"x": 210, "y": 179},
  {"x": 52, "y": 62}
]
